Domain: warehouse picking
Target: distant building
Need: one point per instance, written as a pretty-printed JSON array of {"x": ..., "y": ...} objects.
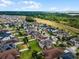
[{"x": 60, "y": 34}]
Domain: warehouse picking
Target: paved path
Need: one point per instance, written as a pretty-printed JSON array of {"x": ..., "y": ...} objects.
[
  {"x": 32, "y": 39},
  {"x": 21, "y": 37},
  {"x": 23, "y": 50},
  {"x": 23, "y": 42},
  {"x": 19, "y": 43},
  {"x": 39, "y": 52}
]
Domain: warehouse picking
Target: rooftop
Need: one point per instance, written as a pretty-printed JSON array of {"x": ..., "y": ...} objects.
[
  {"x": 52, "y": 53},
  {"x": 4, "y": 33}
]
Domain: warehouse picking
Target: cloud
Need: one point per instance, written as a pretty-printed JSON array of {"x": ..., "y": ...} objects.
[
  {"x": 53, "y": 8},
  {"x": 28, "y": 5},
  {"x": 67, "y": 9},
  {"x": 60, "y": 9},
  {"x": 20, "y": 5},
  {"x": 5, "y": 3},
  {"x": 31, "y": 4},
  {"x": 2, "y": 5}
]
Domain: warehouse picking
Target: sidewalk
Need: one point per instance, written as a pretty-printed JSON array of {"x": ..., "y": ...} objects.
[{"x": 23, "y": 50}]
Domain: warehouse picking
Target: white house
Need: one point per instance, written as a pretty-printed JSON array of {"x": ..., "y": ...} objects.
[
  {"x": 75, "y": 41},
  {"x": 54, "y": 39},
  {"x": 45, "y": 42}
]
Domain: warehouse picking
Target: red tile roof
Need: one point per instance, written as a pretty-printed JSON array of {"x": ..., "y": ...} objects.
[
  {"x": 9, "y": 54},
  {"x": 52, "y": 53}
]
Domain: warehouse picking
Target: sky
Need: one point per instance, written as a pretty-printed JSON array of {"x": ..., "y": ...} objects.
[{"x": 39, "y": 5}]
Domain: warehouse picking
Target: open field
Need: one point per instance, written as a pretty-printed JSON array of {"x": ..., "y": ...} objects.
[{"x": 66, "y": 28}]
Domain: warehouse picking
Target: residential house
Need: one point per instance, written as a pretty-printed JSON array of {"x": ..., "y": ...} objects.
[
  {"x": 54, "y": 39},
  {"x": 60, "y": 34},
  {"x": 52, "y": 53},
  {"x": 45, "y": 41},
  {"x": 75, "y": 41},
  {"x": 67, "y": 55},
  {"x": 10, "y": 54},
  {"x": 7, "y": 40}
]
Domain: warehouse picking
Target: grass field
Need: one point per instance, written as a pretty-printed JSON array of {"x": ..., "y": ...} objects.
[
  {"x": 66, "y": 28},
  {"x": 27, "y": 54}
]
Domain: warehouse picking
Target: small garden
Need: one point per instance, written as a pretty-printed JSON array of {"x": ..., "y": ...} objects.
[{"x": 33, "y": 47}]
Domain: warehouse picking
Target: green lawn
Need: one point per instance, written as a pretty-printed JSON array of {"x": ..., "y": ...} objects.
[
  {"x": 27, "y": 54},
  {"x": 34, "y": 45}
]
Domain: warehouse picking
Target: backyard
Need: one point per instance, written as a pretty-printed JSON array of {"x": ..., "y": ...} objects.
[{"x": 28, "y": 54}]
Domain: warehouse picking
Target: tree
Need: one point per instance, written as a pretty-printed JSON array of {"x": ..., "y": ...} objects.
[
  {"x": 29, "y": 47},
  {"x": 17, "y": 28},
  {"x": 35, "y": 55},
  {"x": 77, "y": 54},
  {"x": 29, "y": 19},
  {"x": 25, "y": 40},
  {"x": 20, "y": 33}
]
